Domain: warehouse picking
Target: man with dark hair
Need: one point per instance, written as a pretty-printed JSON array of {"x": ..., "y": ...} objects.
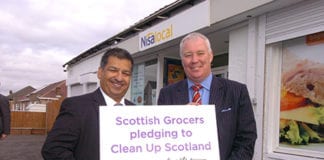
[
  {"x": 75, "y": 134},
  {"x": 4, "y": 117},
  {"x": 234, "y": 113}
]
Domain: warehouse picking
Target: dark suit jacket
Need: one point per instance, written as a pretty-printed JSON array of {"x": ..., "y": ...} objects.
[
  {"x": 75, "y": 134},
  {"x": 235, "y": 118},
  {"x": 4, "y": 115}
]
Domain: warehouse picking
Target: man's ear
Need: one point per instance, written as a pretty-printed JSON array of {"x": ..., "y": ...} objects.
[
  {"x": 211, "y": 57},
  {"x": 99, "y": 73}
]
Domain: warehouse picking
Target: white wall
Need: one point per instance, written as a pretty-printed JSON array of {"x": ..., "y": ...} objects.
[
  {"x": 237, "y": 56},
  {"x": 76, "y": 90},
  {"x": 294, "y": 21},
  {"x": 88, "y": 65},
  {"x": 246, "y": 65},
  {"x": 223, "y": 9},
  {"x": 131, "y": 44}
]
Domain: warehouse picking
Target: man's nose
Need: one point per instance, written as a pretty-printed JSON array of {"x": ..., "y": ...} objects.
[
  {"x": 194, "y": 58},
  {"x": 119, "y": 76}
]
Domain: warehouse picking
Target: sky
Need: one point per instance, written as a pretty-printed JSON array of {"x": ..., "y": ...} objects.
[{"x": 38, "y": 36}]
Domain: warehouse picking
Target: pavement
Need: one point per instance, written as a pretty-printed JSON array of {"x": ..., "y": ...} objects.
[{"x": 22, "y": 147}]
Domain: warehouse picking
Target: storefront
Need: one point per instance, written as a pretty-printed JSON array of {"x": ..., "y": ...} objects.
[{"x": 256, "y": 43}]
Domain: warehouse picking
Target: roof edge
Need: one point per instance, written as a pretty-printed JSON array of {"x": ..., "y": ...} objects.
[{"x": 159, "y": 14}]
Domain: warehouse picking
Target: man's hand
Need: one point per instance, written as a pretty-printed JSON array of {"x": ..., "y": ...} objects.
[
  {"x": 3, "y": 136},
  {"x": 193, "y": 103}
]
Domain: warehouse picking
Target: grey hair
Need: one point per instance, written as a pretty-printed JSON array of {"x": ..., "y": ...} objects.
[{"x": 194, "y": 35}]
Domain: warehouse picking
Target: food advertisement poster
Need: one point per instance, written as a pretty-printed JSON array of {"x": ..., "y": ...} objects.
[
  {"x": 173, "y": 71},
  {"x": 158, "y": 132},
  {"x": 302, "y": 93}
]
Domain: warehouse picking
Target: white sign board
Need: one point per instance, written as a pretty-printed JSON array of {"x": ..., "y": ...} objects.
[{"x": 158, "y": 132}]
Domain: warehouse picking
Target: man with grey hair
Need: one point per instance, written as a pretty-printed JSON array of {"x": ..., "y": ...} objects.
[{"x": 234, "y": 113}]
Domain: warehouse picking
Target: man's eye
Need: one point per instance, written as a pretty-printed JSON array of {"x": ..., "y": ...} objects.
[
  {"x": 112, "y": 69},
  {"x": 200, "y": 53},
  {"x": 127, "y": 73},
  {"x": 187, "y": 54}
]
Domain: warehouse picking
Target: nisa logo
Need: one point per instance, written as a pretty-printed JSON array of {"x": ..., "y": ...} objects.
[{"x": 156, "y": 37}]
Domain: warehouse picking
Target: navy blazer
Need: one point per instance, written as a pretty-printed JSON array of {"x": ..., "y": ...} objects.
[
  {"x": 75, "y": 134},
  {"x": 234, "y": 114}
]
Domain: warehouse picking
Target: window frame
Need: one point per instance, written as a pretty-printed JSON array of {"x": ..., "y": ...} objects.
[{"x": 273, "y": 75}]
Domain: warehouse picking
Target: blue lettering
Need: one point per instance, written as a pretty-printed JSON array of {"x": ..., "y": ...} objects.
[{"x": 147, "y": 40}]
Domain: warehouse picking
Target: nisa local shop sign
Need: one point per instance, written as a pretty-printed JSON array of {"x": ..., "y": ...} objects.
[
  {"x": 152, "y": 38},
  {"x": 175, "y": 26}
]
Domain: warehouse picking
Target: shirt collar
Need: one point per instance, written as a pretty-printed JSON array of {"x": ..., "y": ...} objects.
[
  {"x": 110, "y": 101},
  {"x": 206, "y": 83}
]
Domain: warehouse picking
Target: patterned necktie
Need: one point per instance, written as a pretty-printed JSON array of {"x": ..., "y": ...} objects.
[{"x": 196, "y": 95}]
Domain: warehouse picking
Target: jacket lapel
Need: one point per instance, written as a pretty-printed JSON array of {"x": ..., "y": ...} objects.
[
  {"x": 128, "y": 103},
  {"x": 181, "y": 94},
  {"x": 216, "y": 92},
  {"x": 98, "y": 98}
]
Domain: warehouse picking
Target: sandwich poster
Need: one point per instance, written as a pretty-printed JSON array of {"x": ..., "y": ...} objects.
[
  {"x": 302, "y": 94},
  {"x": 158, "y": 132}
]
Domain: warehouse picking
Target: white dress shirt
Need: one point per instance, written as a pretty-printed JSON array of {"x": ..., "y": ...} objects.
[{"x": 110, "y": 101}]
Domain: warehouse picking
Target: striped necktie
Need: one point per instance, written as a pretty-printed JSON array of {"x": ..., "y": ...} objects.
[{"x": 196, "y": 95}]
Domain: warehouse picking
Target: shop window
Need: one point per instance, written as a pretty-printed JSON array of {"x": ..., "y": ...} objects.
[
  {"x": 173, "y": 71},
  {"x": 220, "y": 60},
  {"x": 220, "y": 65},
  {"x": 294, "y": 97},
  {"x": 144, "y": 77},
  {"x": 220, "y": 72}
]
